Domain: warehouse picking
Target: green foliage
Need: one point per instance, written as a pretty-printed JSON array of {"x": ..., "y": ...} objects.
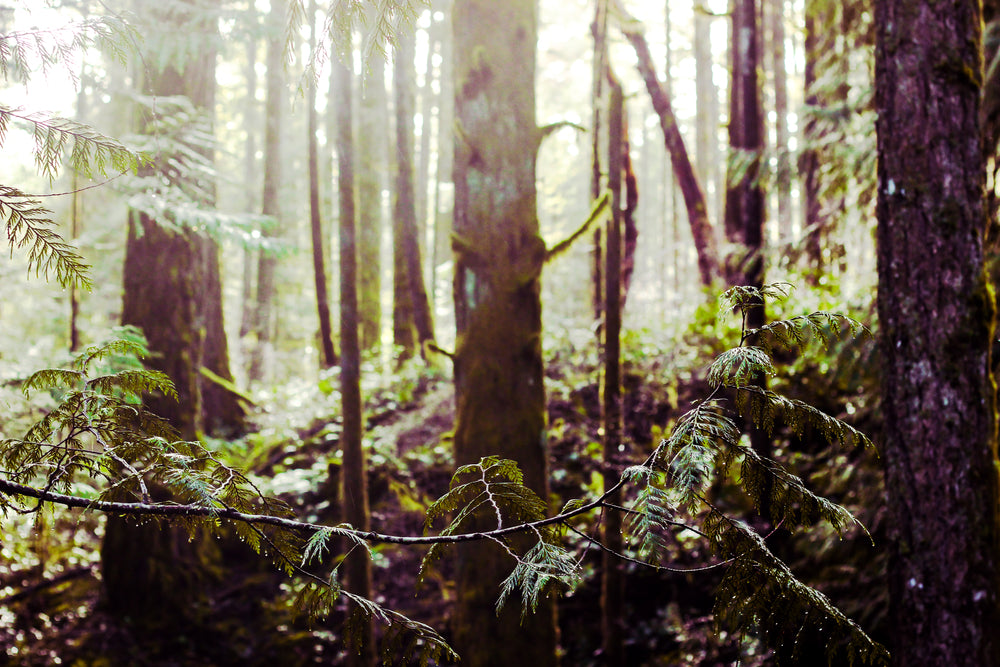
[
  {"x": 177, "y": 190},
  {"x": 758, "y": 589},
  {"x": 493, "y": 491},
  {"x": 29, "y": 224},
  {"x": 22, "y": 53},
  {"x": 379, "y": 21}
]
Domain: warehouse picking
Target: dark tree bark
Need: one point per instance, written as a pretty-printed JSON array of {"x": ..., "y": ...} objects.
[
  {"x": 329, "y": 352},
  {"x": 357, "y": 566},
  {"x": 936, "y": 314},
  {"x": 613, "y": 620},
  {"x": 499, "y": 253}
]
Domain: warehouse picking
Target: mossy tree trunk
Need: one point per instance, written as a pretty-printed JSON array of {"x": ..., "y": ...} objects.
[
  {"x": 500, "y": 397},
  {"x": 373, "y": 128},
  {"x": 936, "y": 315},
  {"x": 172, "y": 291}
]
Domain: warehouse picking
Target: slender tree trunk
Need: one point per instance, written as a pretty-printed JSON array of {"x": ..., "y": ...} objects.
[
  {"x": 783, "y": 181},
  {"x": 357, "y": 566},
  {"x": 499, "y": 253},
  {"x": 707, "y": 103},
  {"x": 936, "y": 316},
  {"x": 599, "y": 30},
  {"x": 251, "y": 118},
  {"x": 315, "y": 216},
  {"x": 413, "y": 314},
  {"x": 809, "y": 161},
  {"x": 613, "y": 620},
  {"x": 264, "y": 320},
  {"x": 694, "y": 198}
]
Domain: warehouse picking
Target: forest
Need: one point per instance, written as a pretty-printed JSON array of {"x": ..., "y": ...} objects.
[{"x": 499, "y": 332}]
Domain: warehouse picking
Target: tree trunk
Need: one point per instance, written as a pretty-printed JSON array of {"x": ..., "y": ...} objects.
[
  {"x": 936, "y": 315},
  {"x": 707, "y": 101},
  {"x": 809, "y": 160},
  {"x": 613, "y": 620},
  {"x": 261, "y": 353},
  {"x": 172, "y": 291},
  {"x": 783, "y": 181},
  {"x": 357, "y": 566},
  {"x": 500, "y": 394},
  {"x": 329, "y": 353},
  {"x": 694, "y": 197},
  {"x": 412, "y": 316},
  {"x": 373, "y": 126}
]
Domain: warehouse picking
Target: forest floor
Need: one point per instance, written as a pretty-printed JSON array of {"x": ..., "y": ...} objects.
[{"x": 243, "y": 619}]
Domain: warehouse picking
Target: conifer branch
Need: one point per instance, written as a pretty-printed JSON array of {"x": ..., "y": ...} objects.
[{"x": 29, "y": 225}]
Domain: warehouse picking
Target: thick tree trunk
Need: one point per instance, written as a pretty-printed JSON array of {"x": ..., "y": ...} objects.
[
  {"x": 373, "y": 127},
  {"x": 172, "y": 291},
  {"x": 936, "y": 315},
  {"x": 499, "y": 253}
]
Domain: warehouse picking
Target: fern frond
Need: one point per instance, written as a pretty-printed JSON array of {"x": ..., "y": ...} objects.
[
  {"x": 29, "y": 225},
  {"x": 544, "y": 564},
  {"x": 741, "y": 297},
  {"x": 740, "y": 366},
  {"x": 760, "y": 595},
  {"x": 126, "y": 346},
  {"x": 699, "y": 437},
  {"x": 24, "y": 52},
  {"x": 92, "y": 152},
  {"x": 652, "y": 512},
  {"x": 403, "y": 639},
  {"x": 763, "y": 407},
  {"x": 51, "y": 378},
  {"x": 824, "y": 327},
  {"x": 787, "y": 498}
]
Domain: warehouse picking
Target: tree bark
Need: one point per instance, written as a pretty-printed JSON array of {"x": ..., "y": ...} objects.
[
  {"x": 412, "y": 318},
  {"x": 613, "y": 620},
  {"x": 694, "y": 197},
  {"x": 936, "y": 315},
  {"x": 357, "y": 566},
  {"x": 329, "y": 352},
  {"x": 499, "y": 253},
  {"x": 373, "y": 126},
  {"x": 261, "y": 352}
]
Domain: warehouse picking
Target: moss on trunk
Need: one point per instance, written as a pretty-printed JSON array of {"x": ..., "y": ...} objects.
[{"x": 500, "y": 397}]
